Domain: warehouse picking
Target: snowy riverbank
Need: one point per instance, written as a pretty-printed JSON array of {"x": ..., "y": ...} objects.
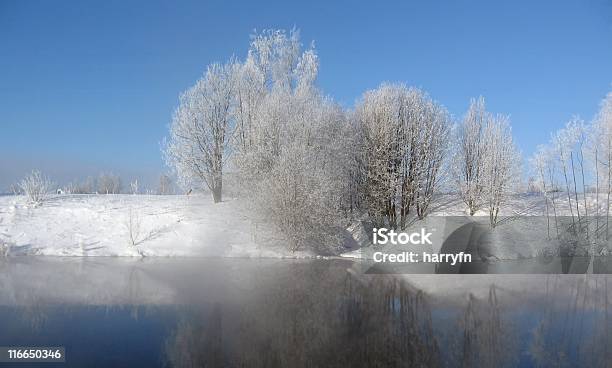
[
  {"x": 108, "y": 225},
  {"x": 176, "y": 225}
]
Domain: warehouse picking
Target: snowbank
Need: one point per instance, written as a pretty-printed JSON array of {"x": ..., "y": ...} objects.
[
  {"x": 152, "y": 225},
  {"x": 132, "y": 225}
]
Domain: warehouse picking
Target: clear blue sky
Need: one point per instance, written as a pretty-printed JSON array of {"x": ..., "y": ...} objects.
[{"x": 89, "y": 86}]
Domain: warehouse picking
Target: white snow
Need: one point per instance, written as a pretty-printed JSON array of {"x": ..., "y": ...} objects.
[
  {"x": 98, "y": 225},
  {"x": 177, "y": 225}
]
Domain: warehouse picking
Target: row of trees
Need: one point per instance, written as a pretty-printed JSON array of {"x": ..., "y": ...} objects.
[
  {"x": 109, "y": 183},
  {"x": 36, "y": 186},
  {"x": 308, "y": 165},
  {"x": 574, "y": 173}
]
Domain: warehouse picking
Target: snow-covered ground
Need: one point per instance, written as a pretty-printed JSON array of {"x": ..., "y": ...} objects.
[
  {"x": 176, "y": 225},
  {"x": 99, "y": 225}
]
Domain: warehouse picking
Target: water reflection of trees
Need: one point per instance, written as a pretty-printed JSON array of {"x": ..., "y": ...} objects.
[
  {"x": 488, "y": 339},
  {"x": 318, "y": 314},
  {"x": 574, "y": 330},
  {"x": 385, "y": 323},
  {"x": 197, "y": 343},
  {"x": 319, "y": 319}
]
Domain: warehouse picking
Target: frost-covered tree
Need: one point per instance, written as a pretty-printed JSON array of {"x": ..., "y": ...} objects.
[
  {"x": 165, "y": 185},
  {"x": 134, "y": 186},
  {"x": 15, "y": 189},
  {"x": 295, "y": 178},
  {"x": 433, "y": 136},
  {"x": 404, "y": 137},
  {"x": 36, "y": 187},
  {"x": 469, "y": 155},
  {"x": 109, "y": 183},
  {"x": 501, "y": 166},
  {"x": 276, "y": 55},
  {"x": 378, "y": 119},
  {"x": 276, "y": 77},
  {"x": 542, "y": 163},
  {"x": 288, "y": 142},
  {"x": 87, "y": 186},
  {"x": 601, "y": 145},
  {"x": 564, "y": 142},
  {"x": 201, "y": 129},
  {"x": 250, "y": 91},
  {"x": 293, "y": 148}
]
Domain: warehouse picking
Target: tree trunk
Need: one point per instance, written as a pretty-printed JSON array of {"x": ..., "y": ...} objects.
[
  {"x": 546, "y": 202},
  {"x": 552, "y": 198},
  {"x": 217, "y": 190},
  {"x": 567, "y": 187},
  {"x": 609, "y": 188},
  {"x": 596, "y": 195},
  {"x": 575, "y": 189}
]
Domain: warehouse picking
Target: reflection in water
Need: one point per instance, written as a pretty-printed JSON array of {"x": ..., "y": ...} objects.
[
  {"x": 255, "y": 313},
  {"x": 576, "y": 329},
  {"x": 486, "y": 338},
  {"x": 338, "y": 321}
]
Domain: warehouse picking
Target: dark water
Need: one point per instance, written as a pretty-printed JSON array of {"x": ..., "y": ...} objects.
[{"x": 278, "y": 313}]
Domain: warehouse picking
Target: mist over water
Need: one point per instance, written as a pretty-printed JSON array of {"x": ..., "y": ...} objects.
[{"x": 279, "y": 313}]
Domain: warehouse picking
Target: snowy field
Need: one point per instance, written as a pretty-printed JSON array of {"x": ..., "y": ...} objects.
[
  {"x": 153, "y": 225},
  {"x": 131, "y": 225}
]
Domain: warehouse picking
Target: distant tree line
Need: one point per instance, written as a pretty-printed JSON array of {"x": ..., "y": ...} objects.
[{"x": 37, "y": 187}]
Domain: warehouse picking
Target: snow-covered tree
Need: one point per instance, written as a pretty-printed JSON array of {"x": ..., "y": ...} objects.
[
  {"x": 134, "y": 186},
  {"x": 109, "y": 183},
  {"x": 165, "y": 185},
  {"x": 486, "y": 162},
  {"x": 404, "y": 138},
  {"x": 433, "y": 136},
  {"x": 469, "y": 155},
  {"x": 36, "y": 187},
  {"x": 293, "y": 148},
  {"x": 87, "y": 186},
  {"x": 250, "y": 91},
  {"x": 15, "y": 189},
  {"x": 601, "y": 146},
  {"x": 275, "y": 75},
  {"x": 564, "y": 142},
  {"x": 501, "y": 166},
  {"x": 542, "y": 165},
  {"x": 276, "y": 54},
  {"x": 201, "y": 129}
]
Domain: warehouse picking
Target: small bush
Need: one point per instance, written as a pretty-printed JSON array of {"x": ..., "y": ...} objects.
[
  {"x": 36, "y": 187},
  {"x": 133, "y": 227}
]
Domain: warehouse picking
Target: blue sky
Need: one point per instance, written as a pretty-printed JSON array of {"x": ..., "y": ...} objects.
[{"x": 91, "y": 86}]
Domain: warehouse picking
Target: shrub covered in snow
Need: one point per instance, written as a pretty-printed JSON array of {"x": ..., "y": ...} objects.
[
  {"x": 36, "y": 187},
  {"x": 133, "y": 226}
]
